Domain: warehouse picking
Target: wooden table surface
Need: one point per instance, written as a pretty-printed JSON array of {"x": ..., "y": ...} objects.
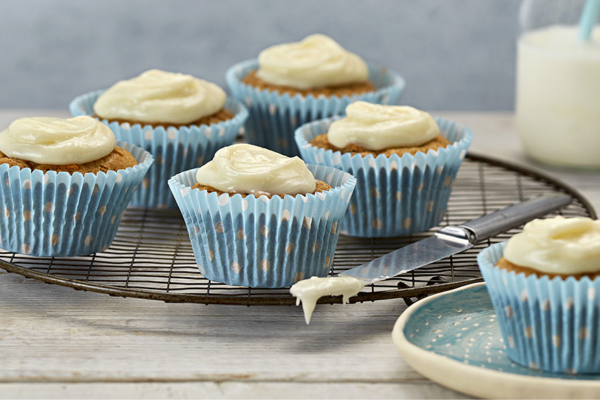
[{"x": 59, "y": 343}]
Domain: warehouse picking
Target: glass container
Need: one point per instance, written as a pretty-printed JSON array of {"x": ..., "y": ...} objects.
[{"x": 558, "y": 85}]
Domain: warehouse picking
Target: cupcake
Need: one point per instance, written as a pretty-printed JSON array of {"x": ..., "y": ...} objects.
[
  {"x": 545, "y": 286},
  {"x": 260, "y": 219},
  {"x": 292, "y": 84},
  {"x": 180, "y": 119},
  {"x": 403, "y": 159},
  {"x": 65, "y": 185}
]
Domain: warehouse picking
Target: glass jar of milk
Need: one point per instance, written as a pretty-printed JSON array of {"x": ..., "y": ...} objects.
[{"x": 558, "y": 85}]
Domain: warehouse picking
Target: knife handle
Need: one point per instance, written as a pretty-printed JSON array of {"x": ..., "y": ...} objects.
[{"x": 515, "y": 215}]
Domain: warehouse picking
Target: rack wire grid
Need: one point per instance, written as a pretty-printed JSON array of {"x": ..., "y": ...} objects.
[{"x": 151, "y": 256}]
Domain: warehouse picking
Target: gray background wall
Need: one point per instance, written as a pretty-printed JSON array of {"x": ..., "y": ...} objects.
[{"x": 454, "y": 54}]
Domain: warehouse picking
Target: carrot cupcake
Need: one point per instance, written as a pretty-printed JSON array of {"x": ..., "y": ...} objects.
[
  {"x": 545, "y": 284},
  {"x": 295, "y": 83},
  {"x": 65, "y": 185},
  {"x": 404, "y": 161},
  {"x": 180, "y": 119},
  {"x": 260, "y": 219}
]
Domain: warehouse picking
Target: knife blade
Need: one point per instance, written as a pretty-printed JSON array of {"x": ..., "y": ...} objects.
[{"x": 451, "y": 240}]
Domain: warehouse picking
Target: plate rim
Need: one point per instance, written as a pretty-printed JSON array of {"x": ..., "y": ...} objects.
[{"x": 476, "y": 381}]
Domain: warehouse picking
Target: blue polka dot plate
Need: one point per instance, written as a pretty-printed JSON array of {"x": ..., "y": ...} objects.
[{"x": 454, "y": 339}]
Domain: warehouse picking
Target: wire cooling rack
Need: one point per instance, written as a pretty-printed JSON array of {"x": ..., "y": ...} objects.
[{"x": 151, "y": 256}]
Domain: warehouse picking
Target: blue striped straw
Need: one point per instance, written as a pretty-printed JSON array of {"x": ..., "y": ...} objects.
[{"x": 589, "y": 16}]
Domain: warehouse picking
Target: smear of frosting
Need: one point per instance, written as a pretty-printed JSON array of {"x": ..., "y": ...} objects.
[
  {"x": 57, "y": 141},
  {"x": 317, "y": 61},
  {"x": 379, "y": 127},
  {"x": 159, "y": 96},
  {"x": 308, "y": 291},
  {"x": 248, "y": 169},
  {"x": 557, "y": 245}
]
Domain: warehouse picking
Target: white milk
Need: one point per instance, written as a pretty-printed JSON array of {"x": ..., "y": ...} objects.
[{"x": 558, "y": 96}]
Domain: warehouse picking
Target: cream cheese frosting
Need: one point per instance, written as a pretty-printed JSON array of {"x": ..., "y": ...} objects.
[
  {"x": 379, "y": 127},
  {"x": 248, "y": 169},
  {"x": 159, "y": 96},
  {"x": 308, "y": 291},
  {"x": 557, "y": 245},
  {"x": 317, "y": 61},
  {"x": 57, "y": 141}
]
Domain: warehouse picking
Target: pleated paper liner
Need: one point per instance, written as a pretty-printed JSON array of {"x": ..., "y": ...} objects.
[
  {"x": 174, "y": 149},
  {"x": 548, "y": 324},
  {"x": 274, "y": 117},
  {"x": 262, "y": 242},
  {"x": 58, "y": 214},
  {"x": 394, "y": 196}
]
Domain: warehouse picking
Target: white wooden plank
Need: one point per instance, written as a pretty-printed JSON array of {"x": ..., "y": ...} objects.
[
  {"x": 7, "y": 116},
  {"x": 59, "y": 343},
  {"x": 55, "y": 333},
  {"x": 495, "y": 135},
  {"x": 227, "y": 390}
]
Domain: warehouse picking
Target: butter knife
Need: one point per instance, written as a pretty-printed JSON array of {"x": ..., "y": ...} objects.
[{"x": 454, "y": 239}]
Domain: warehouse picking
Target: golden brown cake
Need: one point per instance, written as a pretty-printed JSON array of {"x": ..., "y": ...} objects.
[
  {"x": 321, "y": 187},
  {"x": 349, "y": 89},
  {"x": 322, "y": 142},
  {"x": 220, "y": 116},
  {"x": 118, "y": 159},
  {"x": 517, "y": 269}
]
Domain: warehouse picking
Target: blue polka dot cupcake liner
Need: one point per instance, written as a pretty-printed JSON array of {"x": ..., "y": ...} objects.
[
  {"x": 394, "y": 196},
  {"x": 262, "y": 242},
  {"x": 547, "y": 324},
  {"x": 274, "y": 117},
  {"x": 174, "y": 149},
  {"x": 58, "y": 214}
]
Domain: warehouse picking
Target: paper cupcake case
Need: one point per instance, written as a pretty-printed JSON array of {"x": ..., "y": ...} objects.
[
  {"x": 58, "y": 214},
  {"x": 262, "y": 242},
  {"x": 394, "y": 196},
  {"x": 274, "y": 117},
  {"x": 548, "y": 324},
  {"x": 174, "y": 149}
]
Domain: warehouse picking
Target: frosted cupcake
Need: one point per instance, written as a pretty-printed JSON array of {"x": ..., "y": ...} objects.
[
  {"x": 545, "y": 284},
  {"x": 291, "y": 84},
  {"x": 65, "y": 185},
  {"x": 180, "y": 119},
  {"x": 260, "y": 219},
  {"x": 404, "y": 161}
]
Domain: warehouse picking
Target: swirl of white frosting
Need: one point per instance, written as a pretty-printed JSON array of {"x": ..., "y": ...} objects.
[
  {"x": 378, "y": 127},
  {"x": 317, "y": 61},
  {"x": 557, "y": 245},
  {"x": 159, "y": 96},
  {"x": 247, "y": 169},
  {"x": 57, "y": 141}
]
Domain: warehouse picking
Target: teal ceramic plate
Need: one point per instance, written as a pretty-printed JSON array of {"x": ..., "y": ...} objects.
[{"x": 454, "y": 339}]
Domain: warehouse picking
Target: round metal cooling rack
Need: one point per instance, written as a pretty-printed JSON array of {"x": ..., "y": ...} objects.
[{"x": 151, "y": 256}]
